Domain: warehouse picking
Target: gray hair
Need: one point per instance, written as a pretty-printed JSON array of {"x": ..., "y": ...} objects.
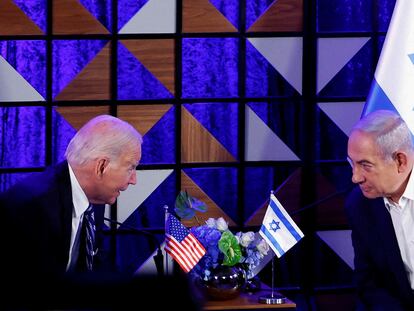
[
  {"x": 389, "y": 130},
  {"x": 103, "y": 135}
]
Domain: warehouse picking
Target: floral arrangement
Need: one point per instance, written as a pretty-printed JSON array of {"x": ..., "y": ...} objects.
[{"x": 243, "y": 249}]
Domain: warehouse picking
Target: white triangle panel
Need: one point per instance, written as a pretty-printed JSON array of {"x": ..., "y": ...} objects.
[
  {"x": 13, "y": 87},
  {"x": 285, "y": 55},
  {"x": 344, "y": 114},
  {"x": 333, "y": 55},
  {"x": 132, "y": 198},
  {"x": 262, "y": 144},
  {"x": 149, "y": 267},
  {"x": 340, "y": 242},
  {"x": 156, "y": 16}
]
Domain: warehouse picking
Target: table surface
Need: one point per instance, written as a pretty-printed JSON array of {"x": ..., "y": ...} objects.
[{"x": 248, "y": 301}]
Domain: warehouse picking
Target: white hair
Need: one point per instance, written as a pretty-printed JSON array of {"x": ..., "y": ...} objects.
[
  {"x": 389, "y": 130},
  {"x": 103, "y": 135}
]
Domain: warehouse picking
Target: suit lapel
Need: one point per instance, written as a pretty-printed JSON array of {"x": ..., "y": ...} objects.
[{"x": 389, "y": 240}]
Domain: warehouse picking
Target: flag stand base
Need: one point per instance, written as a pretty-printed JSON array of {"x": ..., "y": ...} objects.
[{"x": 273, "y": 299}]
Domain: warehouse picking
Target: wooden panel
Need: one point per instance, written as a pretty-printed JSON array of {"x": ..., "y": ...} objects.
[
  {"x": 78, "y": 116},
  {"x": 13, "y": 21},
  {"x": 198, "y": 145},
  {"x": 213, "y": 211},
  {"x": 157, "y": 55},
  {"x": 71, "y": 17},
  {"x": 288, "y": 194},
  {"x": 202, "y": 16},
  {"x": 142, "y": 117},
  {"x": 282, "y": 15},
  {"x": 93, "y": 82}
]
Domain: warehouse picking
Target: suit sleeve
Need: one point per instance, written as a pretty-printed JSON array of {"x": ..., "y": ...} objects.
[{"x": 371, "y": 294}]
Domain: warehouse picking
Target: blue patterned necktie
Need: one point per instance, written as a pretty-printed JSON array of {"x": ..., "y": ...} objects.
[{"x": 89, "y": 225}]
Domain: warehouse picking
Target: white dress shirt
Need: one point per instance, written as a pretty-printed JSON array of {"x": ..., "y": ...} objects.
[
  {"x": 402, "y": 215},
  {"x": 80, "y": 203}
]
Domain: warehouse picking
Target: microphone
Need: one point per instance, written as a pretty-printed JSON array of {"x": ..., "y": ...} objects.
[{"x": 158, "y": 258}]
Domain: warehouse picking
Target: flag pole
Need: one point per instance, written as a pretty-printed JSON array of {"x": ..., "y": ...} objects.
[
  {"x": 273, "y": 298},
  {"x": 165, "y": 229}
]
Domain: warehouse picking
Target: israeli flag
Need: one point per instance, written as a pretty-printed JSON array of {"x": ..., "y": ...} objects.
[
  {"x": 278, "y": 229},
  {"x": 393, "y": 84}
]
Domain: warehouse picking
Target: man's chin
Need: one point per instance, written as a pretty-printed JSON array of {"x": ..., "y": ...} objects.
[{"x": 370, "y": 194}]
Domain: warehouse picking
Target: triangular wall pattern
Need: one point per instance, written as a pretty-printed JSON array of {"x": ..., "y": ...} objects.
[
  {"x": 202, "y": 16},
  {"x": 198, "y": 144},
  {"x": 156, "y": 16},
  {"x": 282, "y": 15},
  {"x": 93, "y": 82},
  {"x": 213, "y": 210}
]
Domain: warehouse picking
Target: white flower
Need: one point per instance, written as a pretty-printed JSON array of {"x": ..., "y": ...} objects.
[
  {"x": 263, "y": 247},
  {"x": 211, "y": 223},
  {"x": 247, "y": 238},
  {"x": 221, "y": 224}
]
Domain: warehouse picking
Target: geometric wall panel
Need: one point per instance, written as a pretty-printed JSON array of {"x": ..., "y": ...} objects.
[
  {"x": 203, "y": 16},
  {"x": 262, "y": 144},
  {"x": 156, "y": 16},
  {"x": 213, "y": 210},
  {"x": 71, "y": 17},
  {"x": 135, "y": 80},
  {"x": 220, "y": 120},
  {"x": 198, "y": 144},
  {"x": 344, "y": 114},
  {"x": 14, "y": 87},
  {"x": 157, "y": 55},
  {"x": 282, "y": 15},
  {"x": 77, "y": 116},
  {"x": 131, "y": 199},
  {"x": 340, "y": 242},
  {"x": 333, "y": 55},
  {"x": 14, "y": 22},
  {"x": 288, "y": 194},
  {"x": 93, "y": 82},
  {"x": 72, "y": 59},
  {"x": 285, "y": 55},
  {"x": 142, "y": 117}
]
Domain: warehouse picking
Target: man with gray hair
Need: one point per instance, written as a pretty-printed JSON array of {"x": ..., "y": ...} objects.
[
  {"x": 42, "y": 215},
  {"x": 381, "y": 211}
]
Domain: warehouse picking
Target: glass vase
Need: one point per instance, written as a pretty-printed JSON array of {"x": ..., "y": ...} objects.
[{"x": 223, "y": 283}]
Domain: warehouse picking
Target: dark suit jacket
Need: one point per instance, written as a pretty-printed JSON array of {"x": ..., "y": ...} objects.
[
  {"x": 36, "y": 220},
  {"x": 380, "y": 275}
]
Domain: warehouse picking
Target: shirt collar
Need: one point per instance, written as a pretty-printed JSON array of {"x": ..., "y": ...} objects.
[
  {"x": 407, "y": 195},
  {"x": 80, "y": 201}
]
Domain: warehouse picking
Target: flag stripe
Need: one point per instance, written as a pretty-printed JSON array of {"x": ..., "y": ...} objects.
[
  {"x": 392, "y": 88},
  {"x": 181, "y": 244},
  {"x": 278, "y": 229},
  {"x": 281, "y": 216},
  {"x": 179, "y": 258},
  {"x": 271, "y": 241},
  {"x": 183, "y": 250}
]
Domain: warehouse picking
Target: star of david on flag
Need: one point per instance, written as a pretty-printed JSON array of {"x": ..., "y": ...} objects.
[
  {"x": 181, "y": 244},
  {"x": 392, "y": 87},
  {"x": 278, "y": 229}
]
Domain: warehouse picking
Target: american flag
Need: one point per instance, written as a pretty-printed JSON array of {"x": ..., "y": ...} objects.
[{"x": 181, "y": 244}]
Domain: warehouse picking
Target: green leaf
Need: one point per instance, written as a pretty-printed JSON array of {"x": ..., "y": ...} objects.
[
  {"x": 186, "y": 205},
  {"x": 230, "y": 248}
]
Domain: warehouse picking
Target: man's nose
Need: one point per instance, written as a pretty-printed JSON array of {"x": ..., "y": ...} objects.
[
  {"x": 356, "y": 176},
  {"x": 133, "y": 178}
]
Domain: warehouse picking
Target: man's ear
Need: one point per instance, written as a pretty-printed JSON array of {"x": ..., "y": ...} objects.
[
  {"x": 101, "y": 165},
  {"x": 401, "y": 160}
]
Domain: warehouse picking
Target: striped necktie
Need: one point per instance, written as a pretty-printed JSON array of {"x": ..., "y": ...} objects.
[{"x": 89, "y": 226}]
